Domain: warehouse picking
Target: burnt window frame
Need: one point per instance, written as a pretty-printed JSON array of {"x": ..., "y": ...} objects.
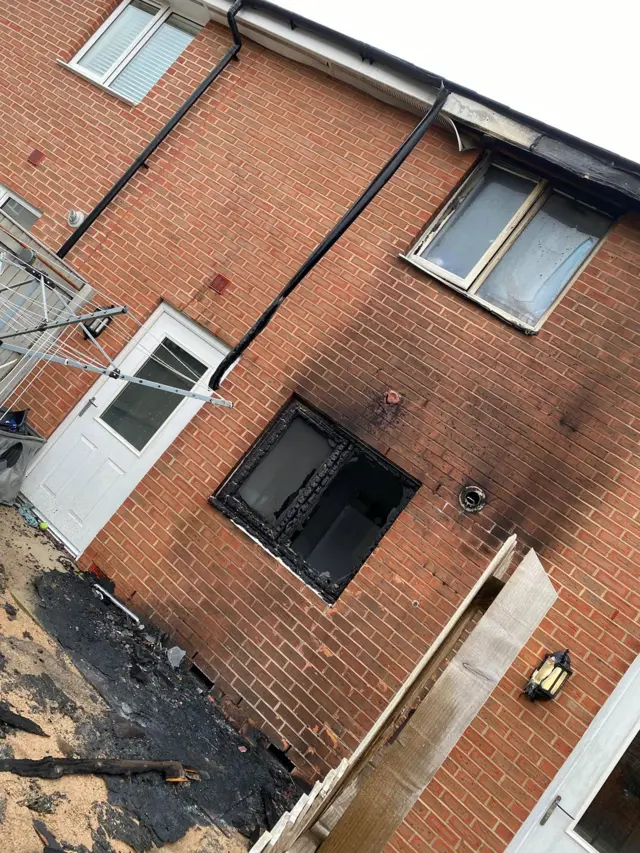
[{"x": 276, "y": 538}]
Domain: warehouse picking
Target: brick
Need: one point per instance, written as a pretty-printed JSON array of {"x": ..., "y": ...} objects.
[{"x": 247, "y": 185}]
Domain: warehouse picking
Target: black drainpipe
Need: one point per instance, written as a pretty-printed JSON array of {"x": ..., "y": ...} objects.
[
  {"x": 383, "y": 176},
  {"x": 162, "y": 134}
]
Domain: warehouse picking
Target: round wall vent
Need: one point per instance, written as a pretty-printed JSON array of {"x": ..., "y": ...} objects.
[{"x": 472, "y": 498}]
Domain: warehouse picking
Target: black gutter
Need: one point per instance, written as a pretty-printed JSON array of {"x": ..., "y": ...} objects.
[
  {"x": 347, "y": 219},
  {"x": 375, "y": 55},
  {"x": 162, "y": 134}
]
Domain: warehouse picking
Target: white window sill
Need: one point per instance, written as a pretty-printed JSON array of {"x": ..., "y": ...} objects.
[
  {"x": 501, "y": 315},
  {"x": 300, "y": 579},
  {"x": 75, "y": 70}
]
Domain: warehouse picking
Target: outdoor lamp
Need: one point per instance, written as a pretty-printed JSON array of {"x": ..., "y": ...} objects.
[{"x": 549, "y": 676}]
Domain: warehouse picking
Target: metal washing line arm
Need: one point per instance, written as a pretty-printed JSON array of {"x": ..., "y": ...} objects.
[{"x": 114, "y": 373}]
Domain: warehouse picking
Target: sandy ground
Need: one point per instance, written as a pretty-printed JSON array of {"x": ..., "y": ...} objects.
[{"x": 26, "y": 649}]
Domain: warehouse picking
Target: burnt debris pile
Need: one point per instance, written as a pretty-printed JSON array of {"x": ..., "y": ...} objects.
[{"x": 157, "y": 712}]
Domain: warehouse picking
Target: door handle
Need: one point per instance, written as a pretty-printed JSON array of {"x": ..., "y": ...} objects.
[
  {"x": 555, "y": 804},
  {"x": 87, "y": 406}
]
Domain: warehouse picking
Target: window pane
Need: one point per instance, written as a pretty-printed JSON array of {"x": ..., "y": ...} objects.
[
  {"x": 611, "y": 824},
  {"x": 349, "y": 518},
  {"x": 19, "y": 213},
  {"x": 138, "y": 412},
  {"x": 543, "y": 259},
  {"x": 159, "y": 53},
  {"x": 285, "y": 469},
  {"x": 483, "y": 214},
  {"x": 118, "y": 37}
]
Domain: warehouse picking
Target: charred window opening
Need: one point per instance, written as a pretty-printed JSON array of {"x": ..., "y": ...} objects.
[{"x": 316, "y": 497}]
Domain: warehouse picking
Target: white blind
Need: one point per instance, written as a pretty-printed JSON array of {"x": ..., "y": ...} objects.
[
  {"x": 119, "y": 37},
  {"x": 158, "y": 54}
]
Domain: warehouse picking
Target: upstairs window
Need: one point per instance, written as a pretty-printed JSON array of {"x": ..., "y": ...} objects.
[
  {"x": 18, "y": 209},
  {"x": 511, "y": 241},
  {"x": 315, "y": 497},
  {"x": 134, "y": 47}
]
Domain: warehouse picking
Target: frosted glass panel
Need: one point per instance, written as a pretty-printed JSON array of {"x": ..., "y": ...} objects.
[
  {"x": 483, "y": 214},
  {"x": 543, "y": 259},
  {"x": 118, "y": 38},
  {"x": 158, "y": 54}
]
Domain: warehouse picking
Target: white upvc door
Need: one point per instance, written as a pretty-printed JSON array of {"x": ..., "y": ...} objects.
[
  {"x": 593, "y": 804},
  {"x": 116, "y": 433}
]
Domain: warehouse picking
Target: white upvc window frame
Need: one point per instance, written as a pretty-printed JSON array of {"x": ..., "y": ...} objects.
[
  {"x": 8, "y": 195},
  {"x": 165, "y": 10},
  {"x": 541, "y": 191}
]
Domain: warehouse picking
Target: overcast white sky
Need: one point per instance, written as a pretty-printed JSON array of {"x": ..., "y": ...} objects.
[{"x": 574, "y": 65}]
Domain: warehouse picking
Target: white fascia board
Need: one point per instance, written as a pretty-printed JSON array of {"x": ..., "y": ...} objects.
[
  {"x": 383, "y": 83},
  {"x": 194, "y": 10}
]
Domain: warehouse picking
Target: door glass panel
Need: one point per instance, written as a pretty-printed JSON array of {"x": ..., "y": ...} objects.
[
  {"x": 611, "y": 824},
  {"x": 138, "y": 412},
  {"x": 541, "y": 262},
  {"x": 483, "y": 214},
  {"x": 285, "y": 469}
]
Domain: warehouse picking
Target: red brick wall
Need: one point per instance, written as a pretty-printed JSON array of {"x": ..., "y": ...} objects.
[{"x": 548, "y": 425}]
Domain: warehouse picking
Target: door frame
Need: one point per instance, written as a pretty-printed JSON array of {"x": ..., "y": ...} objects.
[
  {"x": 570, "y": 830},
  {"x": 164, "y": 309},
  {"x": 629, "y": 683}
]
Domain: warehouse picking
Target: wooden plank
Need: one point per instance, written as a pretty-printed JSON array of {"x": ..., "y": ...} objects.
[
  {"x": 421, "y": 674},
  {"x": 276, "y": 831},
  {"x": 291, "y": 831},
  {"x": 337, "y": 782},
  {"x": 268, "y": 839},
  {"x": 412, "y": 760},
  {"x": 502, "y": 556},
  {"x": 304, "y": 845},
  {"x": 261, "y": 843}
]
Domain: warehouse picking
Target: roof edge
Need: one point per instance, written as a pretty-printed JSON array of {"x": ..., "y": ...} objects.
[{"x": 409, "y": 87}]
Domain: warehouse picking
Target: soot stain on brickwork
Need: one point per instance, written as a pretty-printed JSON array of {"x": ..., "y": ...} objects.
[{"x": 531, "y": 504}]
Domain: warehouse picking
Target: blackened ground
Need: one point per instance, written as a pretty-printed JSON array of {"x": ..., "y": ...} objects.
[{"x": 161, "y": 714}]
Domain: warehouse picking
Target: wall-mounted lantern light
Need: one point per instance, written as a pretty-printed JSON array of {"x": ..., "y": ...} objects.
[
  {"x": 96, "y": 327},
  {"x": 549, "y": 676}
]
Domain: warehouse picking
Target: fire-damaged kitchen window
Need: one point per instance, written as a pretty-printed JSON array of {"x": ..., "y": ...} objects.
[
  {"x": 315, "y": 496},
  {"x": 512, "y": 241}
]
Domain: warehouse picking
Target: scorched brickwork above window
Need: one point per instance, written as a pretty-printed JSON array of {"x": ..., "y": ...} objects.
[{"x": 316, "y": 497}]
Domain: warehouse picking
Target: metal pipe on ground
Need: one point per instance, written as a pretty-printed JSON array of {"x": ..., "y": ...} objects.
[
  {"x": 345, "y": 222},
  {"x": 162, "y": 134}
]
